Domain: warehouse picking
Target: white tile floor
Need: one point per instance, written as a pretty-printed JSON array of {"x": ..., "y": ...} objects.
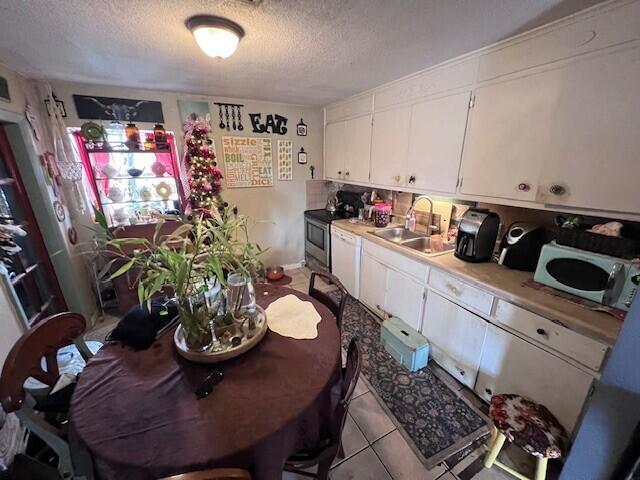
[{"x": 375, "y": 449}]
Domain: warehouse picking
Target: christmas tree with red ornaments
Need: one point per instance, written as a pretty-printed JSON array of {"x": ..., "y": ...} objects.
[{"x": 205, "y": 178}]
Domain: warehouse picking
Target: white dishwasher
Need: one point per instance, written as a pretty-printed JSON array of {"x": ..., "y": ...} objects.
[{"x": 345, "y": 259}]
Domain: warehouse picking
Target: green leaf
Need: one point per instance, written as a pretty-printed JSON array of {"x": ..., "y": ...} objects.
[
  {"x": 105, "y": 270},
  {"x": 100, "y": 218},
  {"x": 140, "y": 292},
  {"x": 123, "y": 269}
]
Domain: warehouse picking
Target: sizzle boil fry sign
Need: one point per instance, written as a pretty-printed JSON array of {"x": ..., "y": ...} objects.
[{"x": 248, "y": 162}]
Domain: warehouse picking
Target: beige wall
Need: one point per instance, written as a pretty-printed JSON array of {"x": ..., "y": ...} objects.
[{"x": 278, "y": 210}]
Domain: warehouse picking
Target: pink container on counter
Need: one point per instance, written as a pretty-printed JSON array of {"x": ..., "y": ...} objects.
[{"x": 382, "y": 214}]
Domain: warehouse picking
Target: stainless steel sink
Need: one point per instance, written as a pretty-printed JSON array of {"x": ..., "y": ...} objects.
[
  {"x": 423, "y": 245},
  {"x": 397, "y": 235},
  {"x": 411, "y": 240}
]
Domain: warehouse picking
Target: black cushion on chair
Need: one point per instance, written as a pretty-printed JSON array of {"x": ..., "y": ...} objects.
[{"x": 138, "y": 328}]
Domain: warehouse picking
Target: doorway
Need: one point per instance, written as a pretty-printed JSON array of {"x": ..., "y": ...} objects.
[{"x": 31, "y": 272}]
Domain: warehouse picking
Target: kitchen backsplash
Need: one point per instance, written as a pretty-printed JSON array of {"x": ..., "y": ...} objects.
[{"x": 449, "y": 211}]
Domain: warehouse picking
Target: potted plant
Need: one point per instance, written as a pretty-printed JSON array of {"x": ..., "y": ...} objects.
[{"x": 190, "y": 261}]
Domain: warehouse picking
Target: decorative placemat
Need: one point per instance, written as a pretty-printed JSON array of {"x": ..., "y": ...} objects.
[
  {"x": 583, "y": 302},
  {"x": 291, "y": 317}
]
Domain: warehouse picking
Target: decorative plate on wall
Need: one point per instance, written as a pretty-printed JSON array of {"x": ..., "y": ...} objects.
[{"x": 59, "y": 209}]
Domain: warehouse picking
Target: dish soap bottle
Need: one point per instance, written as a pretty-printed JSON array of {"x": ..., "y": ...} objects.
[{"x": 411, "y": 222}]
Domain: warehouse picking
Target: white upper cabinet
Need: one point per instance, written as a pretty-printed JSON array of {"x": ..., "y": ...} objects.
[
  {"x": 554, "y": 121},
  {"x": 565, "y": 136},
  {"x": 334, "y": 150},
  {"x": 389, "y": 146},
  {"x": 590, "y": 157},
  {"x": 506, "y": 138},
  {"x": 357, "y": 149},
  {"x": 435, "y": 142},
  {"x": 347, "y": 146},
  {"x": 354, "y": 107},
  {"x": 614, "y": 26}
]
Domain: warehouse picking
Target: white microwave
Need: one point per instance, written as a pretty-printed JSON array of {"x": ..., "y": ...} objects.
[{"x": 608, "y": 280}]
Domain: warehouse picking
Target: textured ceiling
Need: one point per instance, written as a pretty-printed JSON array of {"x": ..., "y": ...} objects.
[{"x": 297, "y": 51}]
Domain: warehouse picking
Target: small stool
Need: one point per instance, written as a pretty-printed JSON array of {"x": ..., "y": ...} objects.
[{"x": 530, "y": 426}]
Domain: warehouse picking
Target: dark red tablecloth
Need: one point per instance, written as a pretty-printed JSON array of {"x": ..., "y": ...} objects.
[{"x": 137, "y": 414}]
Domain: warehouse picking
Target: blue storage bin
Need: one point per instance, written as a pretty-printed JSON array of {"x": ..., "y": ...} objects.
[{"x": 405, "y": 344}]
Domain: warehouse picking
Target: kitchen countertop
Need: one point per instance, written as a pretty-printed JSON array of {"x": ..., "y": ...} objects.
[{"x": 507, "y": 284}]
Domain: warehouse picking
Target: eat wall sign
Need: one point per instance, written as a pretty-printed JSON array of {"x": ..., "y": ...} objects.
[{"x": 273, "y": 123}]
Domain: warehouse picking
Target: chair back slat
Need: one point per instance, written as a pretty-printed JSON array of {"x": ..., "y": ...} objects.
[
  {"x": 350, "y": 375},
  {"x": 24, "y": 359},
  {"x": 213, "y": 474},
  {"x": 336, "y": 306}
]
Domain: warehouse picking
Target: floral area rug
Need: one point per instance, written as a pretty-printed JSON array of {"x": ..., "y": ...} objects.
[{"x": 435, "y": 420}]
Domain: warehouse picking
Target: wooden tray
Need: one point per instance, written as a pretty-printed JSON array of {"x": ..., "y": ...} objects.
[{"x": 215, "y": 357}]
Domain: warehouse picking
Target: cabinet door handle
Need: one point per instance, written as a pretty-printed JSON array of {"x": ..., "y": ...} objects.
[
  {"x": 339, "y": 172},
  {"x": 461, "y": 372},
  {"x": 488, "y": 391},
  {"x": 541, "y": 331},
  {"x": 346, "y": 173},
  {"x": 412, "y": 179},
  {"x": 397, "y": 178},
  {"x": 524, "y": 187},
  {"x": 557, "y": 189}
]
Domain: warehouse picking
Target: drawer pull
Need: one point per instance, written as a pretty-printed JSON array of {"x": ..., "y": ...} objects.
[
  {"x": 461, "y": 372},
  {"x": 453, "y": 289},
  {"x": 541, "y": 331},
  {"x": 488, "y": 391}
]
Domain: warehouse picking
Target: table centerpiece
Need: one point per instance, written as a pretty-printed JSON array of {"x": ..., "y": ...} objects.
[{"x": 207, "y": 265}]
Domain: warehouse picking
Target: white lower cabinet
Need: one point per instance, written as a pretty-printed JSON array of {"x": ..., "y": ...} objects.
[
  {"x": 456, "y": 337},
  {"x": 404, "y": 298},
  {"x": 512, "y": 365},
  {"x": 373, "y": 277},
  {"x": 391, "y": 293}
]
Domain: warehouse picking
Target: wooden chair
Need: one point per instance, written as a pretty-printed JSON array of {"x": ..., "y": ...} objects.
[
  {"x": 213, "y": 474},
  {"x": 323, "y": 456},
  {"x": 24, "y": 361},
  {"x": 336, "y": 307}
]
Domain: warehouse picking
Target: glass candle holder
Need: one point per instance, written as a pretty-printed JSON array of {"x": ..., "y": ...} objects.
[{"x": 241, "y": 296}]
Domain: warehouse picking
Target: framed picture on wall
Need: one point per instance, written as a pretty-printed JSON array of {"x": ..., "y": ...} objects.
[
  {"x": 302, "y": 156},
  {"x": 301, "y": 129},
  {"x": 111, "y": 108}
]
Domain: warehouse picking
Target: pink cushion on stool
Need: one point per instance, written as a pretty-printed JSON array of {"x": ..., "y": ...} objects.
[{"x": 529, "y": 425}]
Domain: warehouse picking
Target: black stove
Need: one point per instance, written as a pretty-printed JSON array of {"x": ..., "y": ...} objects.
[{"x": 323, "y": 216}]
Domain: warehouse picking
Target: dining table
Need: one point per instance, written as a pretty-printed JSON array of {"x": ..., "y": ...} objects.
[{"x": 137, "y": 415}]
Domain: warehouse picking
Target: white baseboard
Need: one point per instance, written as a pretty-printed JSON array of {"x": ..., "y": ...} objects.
[{"x": 293, "y": 266}]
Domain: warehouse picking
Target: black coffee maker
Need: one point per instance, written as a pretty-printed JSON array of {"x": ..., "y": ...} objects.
[{"x": 477, "y": 235}]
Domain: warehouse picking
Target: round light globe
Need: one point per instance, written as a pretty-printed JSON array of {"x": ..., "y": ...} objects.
[{"x": 217, "y": 37}]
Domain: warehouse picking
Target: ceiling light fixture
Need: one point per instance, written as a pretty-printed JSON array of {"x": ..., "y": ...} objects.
[{"x": 217, "y": 37}]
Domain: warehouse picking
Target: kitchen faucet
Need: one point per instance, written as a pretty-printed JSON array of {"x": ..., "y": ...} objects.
[{"x": 430, "y": 227}]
